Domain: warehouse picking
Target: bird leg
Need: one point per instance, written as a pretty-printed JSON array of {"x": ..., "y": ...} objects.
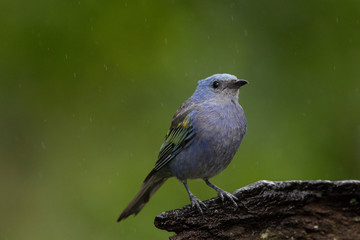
[
  {"x": 221, "y": 193},
  {"x": 195, "y": 202}
]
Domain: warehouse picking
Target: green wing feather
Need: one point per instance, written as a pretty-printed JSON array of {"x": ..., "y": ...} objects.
[{"x": 177, "y": 138}]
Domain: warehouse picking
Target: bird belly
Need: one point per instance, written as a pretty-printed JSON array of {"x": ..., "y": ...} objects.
[
  {"x": 198, "y": 162},
  {"x": 210, "y": 152}
]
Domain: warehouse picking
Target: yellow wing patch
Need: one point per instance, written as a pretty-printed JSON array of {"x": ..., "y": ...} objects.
[{"x": 176, "y": 139}]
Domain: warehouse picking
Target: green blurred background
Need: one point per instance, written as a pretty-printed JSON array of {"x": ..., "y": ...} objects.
[{"x": 88, "y": 90}]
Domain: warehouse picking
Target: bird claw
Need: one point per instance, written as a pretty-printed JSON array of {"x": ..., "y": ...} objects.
[
  {"x": 197, "y": 203},
  {"x": 232, "y": 198}
]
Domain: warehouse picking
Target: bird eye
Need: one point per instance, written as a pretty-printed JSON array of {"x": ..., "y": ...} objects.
[{"x": 215, "y": 84}]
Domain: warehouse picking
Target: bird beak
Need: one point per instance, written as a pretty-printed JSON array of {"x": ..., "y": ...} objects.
[{"x": 238, "y": 83}]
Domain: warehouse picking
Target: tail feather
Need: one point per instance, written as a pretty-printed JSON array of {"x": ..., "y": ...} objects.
[{"x": 150, "y": 185}]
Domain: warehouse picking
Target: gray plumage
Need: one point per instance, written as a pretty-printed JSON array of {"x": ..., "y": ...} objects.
[{"x": 205, "y": 133}]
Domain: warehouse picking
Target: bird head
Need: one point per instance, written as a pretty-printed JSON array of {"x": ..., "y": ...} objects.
[{"x": 223, "y": 86}]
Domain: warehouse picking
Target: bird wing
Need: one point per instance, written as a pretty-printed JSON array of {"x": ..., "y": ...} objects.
[{"x": 179, "y": 135}]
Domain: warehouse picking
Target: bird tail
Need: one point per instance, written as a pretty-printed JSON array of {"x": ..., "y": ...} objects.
[{"x": 150, "y": 185}]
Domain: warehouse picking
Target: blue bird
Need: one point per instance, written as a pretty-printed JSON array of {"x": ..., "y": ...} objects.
[{"x": 205, "y": 133}]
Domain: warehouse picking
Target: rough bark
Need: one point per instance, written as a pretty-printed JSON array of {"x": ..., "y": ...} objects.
[{"x": 274, "y": 210}]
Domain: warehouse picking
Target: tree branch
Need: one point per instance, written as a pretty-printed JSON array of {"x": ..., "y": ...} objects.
[{"x": 274, "y": 210}]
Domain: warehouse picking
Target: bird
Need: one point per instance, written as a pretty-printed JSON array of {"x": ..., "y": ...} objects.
[{"x": 205, "y": 133}]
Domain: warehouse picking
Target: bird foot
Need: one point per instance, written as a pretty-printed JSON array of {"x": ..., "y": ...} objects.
[
  {"x": 197, "y": 203},
  {"x": 232, "y": 198}
]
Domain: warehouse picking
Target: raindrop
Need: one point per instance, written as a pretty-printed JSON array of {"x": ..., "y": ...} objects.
[
  {"x": 106, "y": 67},
  {"x": 43, "y": 146},
  {"x": 246, "y": 33}
]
